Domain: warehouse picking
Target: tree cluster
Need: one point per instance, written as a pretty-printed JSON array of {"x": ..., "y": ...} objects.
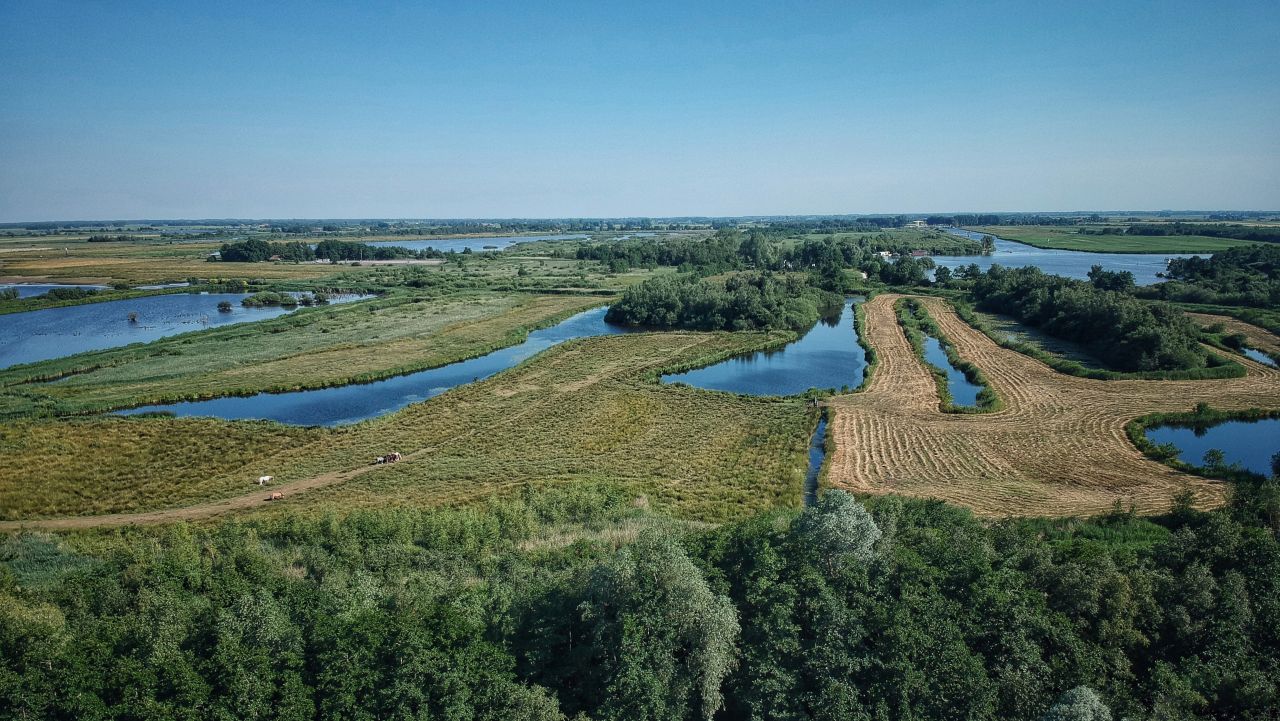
[
  {"x": 1244, "y": 276},
  {"x": 745, "y": 301},
  {"x": 1122, "y": 331}
]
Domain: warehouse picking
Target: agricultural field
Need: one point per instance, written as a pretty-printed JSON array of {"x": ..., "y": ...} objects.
[
  {"x": 1066, "y": 238},
  {"x": 1057, "y": 447}
]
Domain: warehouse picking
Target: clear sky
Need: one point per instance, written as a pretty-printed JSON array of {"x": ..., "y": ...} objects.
[{"x": 541, "y": 109}]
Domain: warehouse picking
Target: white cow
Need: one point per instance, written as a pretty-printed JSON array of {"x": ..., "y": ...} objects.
[{"x": 264, "y": 480}]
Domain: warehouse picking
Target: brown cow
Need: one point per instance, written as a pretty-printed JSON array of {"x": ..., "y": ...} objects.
[{"x": 275, "y": 496}]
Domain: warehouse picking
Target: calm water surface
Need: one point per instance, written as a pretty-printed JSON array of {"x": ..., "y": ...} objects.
[
  {"x": 828, "y": 356},
  {"x": 1070, "y": 263},
  {"x": 1261, "y": 357},
  {"x": 37, "y": 335},
  {"x": 29, "y": 290},
  {"x": 817, "y": 453},
  {"x": 963, "y": 392},
  {"x": 1249, "y": 443},
  {"x": 497, "y": 242},
  {"x": 352, "y": 403}
]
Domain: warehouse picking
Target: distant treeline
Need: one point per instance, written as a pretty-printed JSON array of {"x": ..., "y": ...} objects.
[
  {"x": 731, "y": 249},
  {"x": 1220, "y": 230},
  {"x": 745, "y": 301},
  {"x": 1126, "y": 333},
  {"x": 255, "y": 251}
]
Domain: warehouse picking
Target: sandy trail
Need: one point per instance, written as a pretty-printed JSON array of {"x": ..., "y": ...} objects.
[
  {"x": 1058, "y": 446},
  {"x": 257, "y": 498}
]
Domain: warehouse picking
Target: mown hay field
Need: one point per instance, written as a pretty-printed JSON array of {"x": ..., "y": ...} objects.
[{"x": 1058, "y": 446}]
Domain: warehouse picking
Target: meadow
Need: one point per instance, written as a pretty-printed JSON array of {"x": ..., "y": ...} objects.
[
  {"x": 312, "y": 348},
  {"x": 1066, "y": 238},
  {"x": 586, "y": 411}
]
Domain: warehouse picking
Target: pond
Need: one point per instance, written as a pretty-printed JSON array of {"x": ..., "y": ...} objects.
[
  {"x": 37, "y": 335},
  {"x": 30, "y": 290},
  {"x": 1069, "y": 263},
  {"x": 352, "y": 403},
  {"x": 963, "y": 392},
  {"x": 1261, "y": 357},
  {"x": 476, "y": 245},
  {"x": 828, "y": 357},
  {"x": 1249, "y": 443},
  {"x": 817, "y": 454}
]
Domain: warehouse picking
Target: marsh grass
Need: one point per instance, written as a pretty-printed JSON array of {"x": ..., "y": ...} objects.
[
  {"x": 583, "y": 413},
  {"x": 312, "y": 348}
]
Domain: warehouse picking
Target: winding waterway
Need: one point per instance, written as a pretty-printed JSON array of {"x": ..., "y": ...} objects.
[
  {"x": 817, "y": 454},
  {"x": 37, "y": 335},
  {"x": 352, "y": 403},
  {"x": 30, "y": 290},
  {"x": 827, "y": 357},
  {"x": 1070, "y": 263},
  {"x": 963, "y": 392},
  {"x": 475, "y": 245}
]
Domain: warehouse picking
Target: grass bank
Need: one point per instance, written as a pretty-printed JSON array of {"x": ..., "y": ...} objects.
[
  {"x": 1066, "y": 238},
  {"x": 916, "y": 323}
]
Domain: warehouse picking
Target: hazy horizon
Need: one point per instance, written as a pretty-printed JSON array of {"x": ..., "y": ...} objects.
[{"x": 142, "y": 110}]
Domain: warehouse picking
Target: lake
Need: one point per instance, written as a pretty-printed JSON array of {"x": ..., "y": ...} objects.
[
  {"x": 1249, "y": 443},
  {"x": 476, "y": 245},
  {"x": 828, "y": 357},
  {"x": 29, "y": 290},
  {"x": 963, "y": 392},
  {"x": 352, "y": 403},
  {"x": 1069, "y": 263},
  {"x": 37, "y": 335}
]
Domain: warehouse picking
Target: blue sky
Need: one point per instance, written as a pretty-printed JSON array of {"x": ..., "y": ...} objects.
[{"x": 313, "y": 109}]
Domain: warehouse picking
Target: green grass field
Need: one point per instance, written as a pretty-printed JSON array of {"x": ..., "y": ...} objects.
[
  {"x": 311, "y": 348},
  {"x": 1063, "y": 238},
  {"x": 588, "y": 410}
]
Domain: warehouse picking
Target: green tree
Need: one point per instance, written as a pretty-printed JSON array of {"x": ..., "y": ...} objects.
[
  {"x": 1079, "y": 704},
  {"x": 663, "y": 642}
]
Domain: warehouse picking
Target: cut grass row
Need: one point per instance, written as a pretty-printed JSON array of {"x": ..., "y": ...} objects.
[{"x": 916, "y": 322}]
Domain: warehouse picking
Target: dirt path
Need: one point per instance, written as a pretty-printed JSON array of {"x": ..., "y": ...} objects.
[
  {"x": 1058, "y": 446},
  {"x": 292, "y": 489}
]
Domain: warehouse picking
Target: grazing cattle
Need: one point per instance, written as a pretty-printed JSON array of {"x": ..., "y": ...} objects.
[
  {"x": 275, "y": 496},
  {"x": 264, "y": 480}
]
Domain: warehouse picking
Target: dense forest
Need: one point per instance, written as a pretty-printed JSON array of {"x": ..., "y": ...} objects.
[
  {"x": 1244, "y": 276},
  {"x": 527, "y": 609},
  {"x": 1126, "y": 333},
  {"x": 744, "y": 301}
]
